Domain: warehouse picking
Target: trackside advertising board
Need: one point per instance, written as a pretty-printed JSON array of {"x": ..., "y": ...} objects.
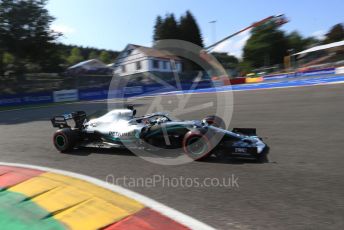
[
  {"x": 23, "y": 99},
  {"x": 66, "y": 95}
]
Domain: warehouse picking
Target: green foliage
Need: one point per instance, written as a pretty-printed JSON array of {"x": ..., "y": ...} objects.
[
  {"x": 312, "y": 41},
  {"x": 105, "y": 57},
  {"x": 265, "y": 47},
  {"x": 166, "y": 28},
  {"x": 186, "y": 29},
  {"x": 335, "y": 34},
  {"x": 25, "y": 31},
  {"x": 93, "y": 55},
  {"x": 28, "y": 44},
  {"x": 85, "y": 52},
  {"x": 297, "y": 43},
  {"x": 75, "y": 56},
  {"x": 158, "y": 28},
  {"x": 268, "y": 45},
  {"x": 227, "y": 61},
  {"x": 245, "y": 67},
  {"x": 8, "y": 59},
  {"x": 189, "y": 30}
]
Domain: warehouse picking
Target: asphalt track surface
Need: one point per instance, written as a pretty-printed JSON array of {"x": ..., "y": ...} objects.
[{"x": 301, "y": 187}]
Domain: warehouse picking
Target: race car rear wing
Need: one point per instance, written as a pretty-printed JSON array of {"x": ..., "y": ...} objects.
[{"x": 79, "y": 118}]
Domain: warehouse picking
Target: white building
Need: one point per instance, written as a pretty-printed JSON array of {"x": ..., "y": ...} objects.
[{"x": 138, "y": 59}]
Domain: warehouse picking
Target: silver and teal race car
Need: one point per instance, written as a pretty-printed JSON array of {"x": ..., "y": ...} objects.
[{"x": 120, "y": 128}]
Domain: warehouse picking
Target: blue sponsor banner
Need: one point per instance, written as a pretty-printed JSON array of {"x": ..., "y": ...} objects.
[
  {"x": 23, "y": 99},
  {"x": 104, "y": 93},
  {"x": 132, "y": 91},
  {"x": 317, "y": 72},
  {"x": 93, "y": 94}
]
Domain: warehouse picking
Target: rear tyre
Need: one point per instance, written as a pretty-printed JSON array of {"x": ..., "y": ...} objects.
[
  {"x": 65, "y": 139},
  {"x": 196, "y": 145},
  {"x": 215, "y": 121}
]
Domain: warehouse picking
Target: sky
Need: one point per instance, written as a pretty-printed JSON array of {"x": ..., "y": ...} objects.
[{"x": 112, "y": 24}]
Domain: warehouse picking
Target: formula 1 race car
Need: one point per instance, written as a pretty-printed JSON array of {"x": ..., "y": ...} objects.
[{"x": 120, "y": 128}]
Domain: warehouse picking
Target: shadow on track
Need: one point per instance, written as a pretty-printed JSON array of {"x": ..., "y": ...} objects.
[
  {"x": 125, "y": 152},
  {"x": 89, "y": 151},
  {"x": 26, "y": 115},
  {"x": 235, "y": 160}
]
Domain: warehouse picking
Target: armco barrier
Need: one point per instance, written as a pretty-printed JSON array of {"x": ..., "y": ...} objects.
[{"x": 301, "y": 73}]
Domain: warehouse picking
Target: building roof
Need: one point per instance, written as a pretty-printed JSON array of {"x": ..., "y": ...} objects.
[
  {"x": 322, "y": 47},
  {"x": 152, "y": 52},
  {"x": 89, "y": 64}
]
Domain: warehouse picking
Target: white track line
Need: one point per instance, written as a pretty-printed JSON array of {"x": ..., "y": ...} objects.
[
  {"x": 241, "y": 90},
  {"x": 159, "y": 207}
]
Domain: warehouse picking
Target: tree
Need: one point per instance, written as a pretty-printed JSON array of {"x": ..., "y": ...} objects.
[
  {"x": 166, "y": 28},
  {"x": 227, "y": 61},
  {"x": 296, "y": 41},
  {"x": 93, "y": 55},
  {"x": 267, "y": 46},
  {"x": 189, "y": 30},
  {"x": 157, "y": 28},
  {"x": 75, "y": 56},
  {"x": 25, "y": 31},
  {"x": 335, "y": 34},
  {"x": 311, "y": 41},
  {"x": 244, "y": 67},
  {"x": 170, "y": 28},
  {"x": 105, "y": 57},
  {"x": 8, "y": 59},
  {"x": 7, "y": 62}
]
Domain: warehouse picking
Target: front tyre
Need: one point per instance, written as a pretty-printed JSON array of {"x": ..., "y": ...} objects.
[
  {"x": 263, "y": 157},
  {"x": 65, "y": 139},
  {"x": 196, "y": 145}
]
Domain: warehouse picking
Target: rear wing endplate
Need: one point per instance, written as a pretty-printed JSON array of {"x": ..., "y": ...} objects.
[{"x": 79, "y": 118}]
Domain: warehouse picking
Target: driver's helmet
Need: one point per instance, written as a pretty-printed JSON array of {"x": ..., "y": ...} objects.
[{"x": 160, "y": 120}]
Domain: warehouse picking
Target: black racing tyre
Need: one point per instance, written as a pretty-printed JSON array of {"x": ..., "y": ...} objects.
[
  {"x": 65, "y": 139},
  {"x": 215, "y": 121},
  {"x": 263, "y": 157},
  {"x": 196, "y": 145}
]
